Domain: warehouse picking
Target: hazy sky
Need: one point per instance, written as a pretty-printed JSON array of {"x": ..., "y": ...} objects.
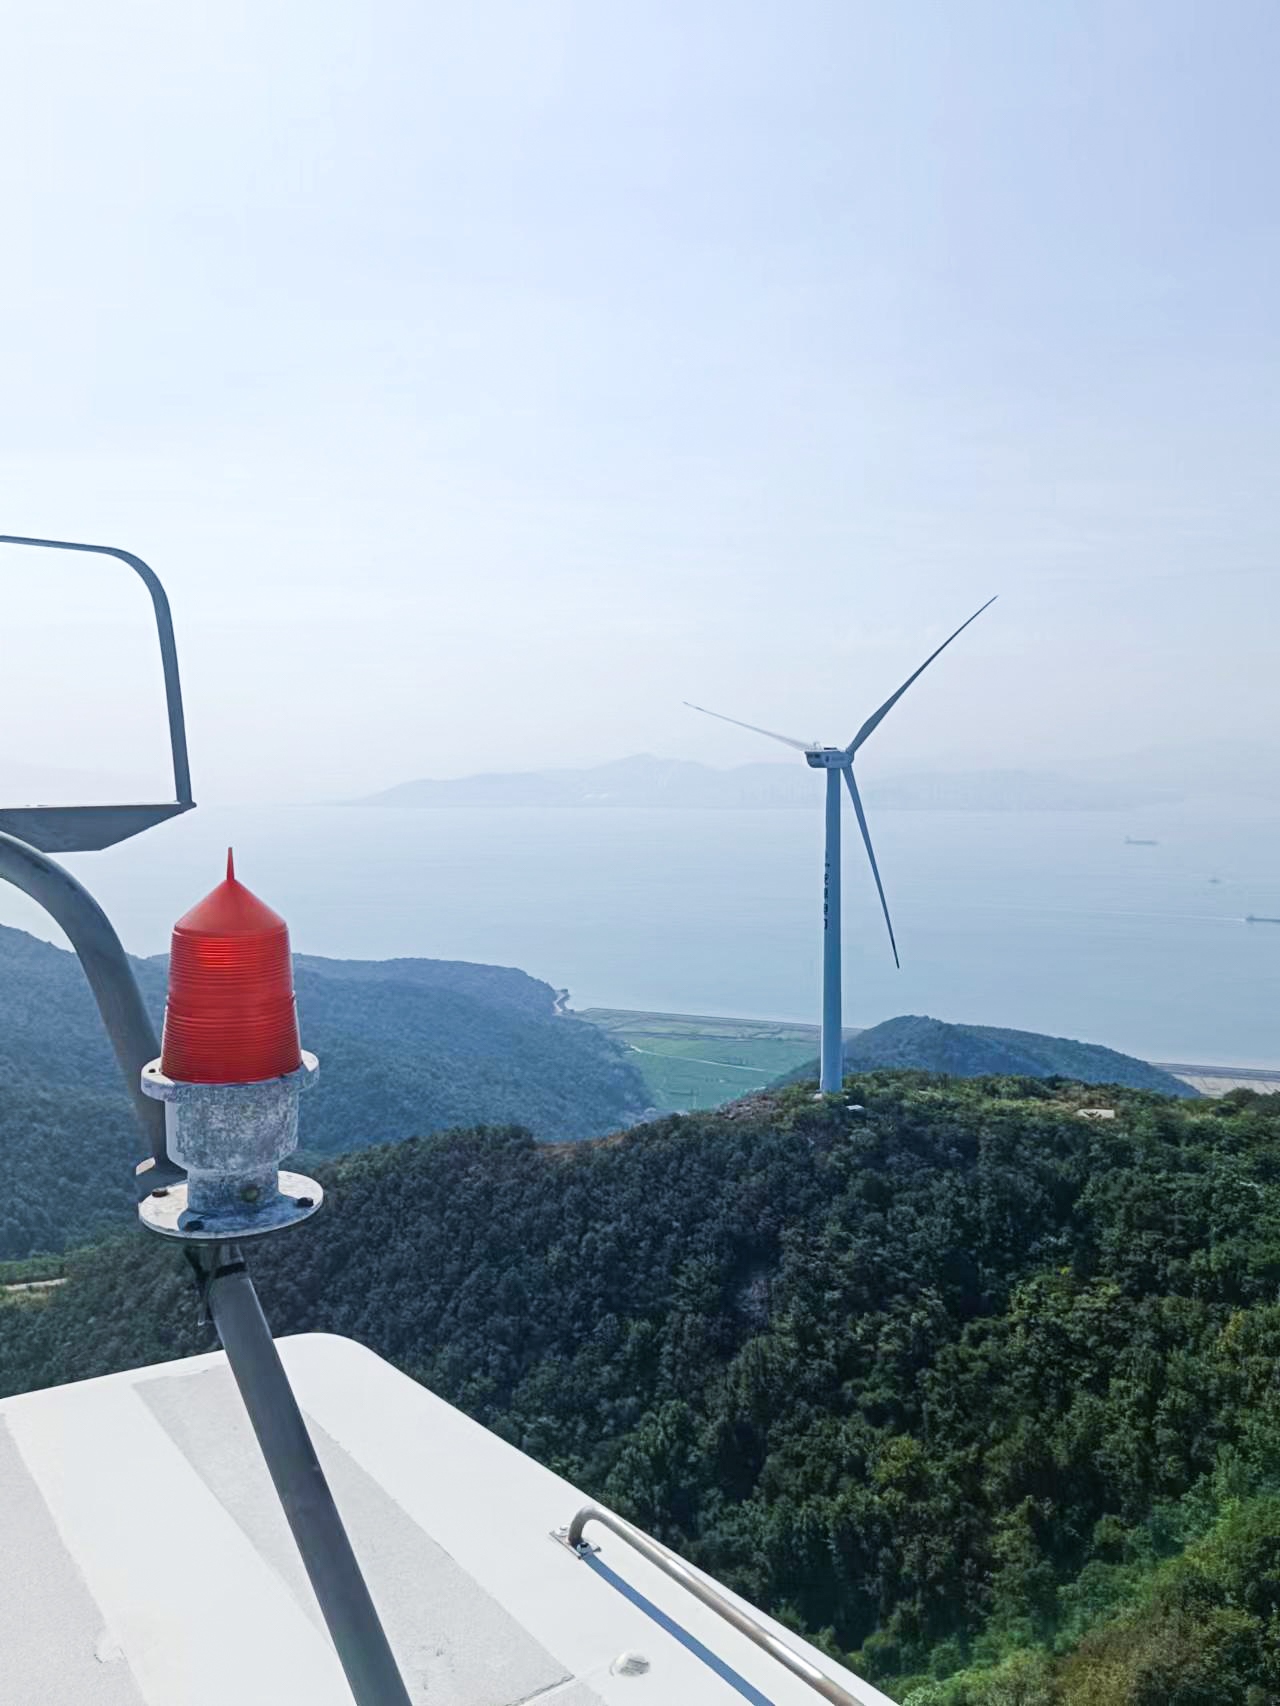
[{"x": 485, "y": 379}]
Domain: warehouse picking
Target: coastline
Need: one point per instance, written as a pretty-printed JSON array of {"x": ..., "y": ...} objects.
[{"x": 782, "y": 1037}]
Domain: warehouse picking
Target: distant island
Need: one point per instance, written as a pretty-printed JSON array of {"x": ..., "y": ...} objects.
[
  {"x": 989, "y": 1051},
  {"x": 645, "y": 781}
]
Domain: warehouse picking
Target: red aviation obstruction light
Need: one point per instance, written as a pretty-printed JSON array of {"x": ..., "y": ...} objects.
[
  {"x": 230, "y": 1073},
  {"x": 231, "y": 1017}
]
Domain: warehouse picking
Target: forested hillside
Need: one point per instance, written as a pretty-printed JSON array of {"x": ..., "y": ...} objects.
[
  {"x": 406, "y": 1047},
  {"x": 982, "y": 1051},
  {"x": 972, "y": 1389}
]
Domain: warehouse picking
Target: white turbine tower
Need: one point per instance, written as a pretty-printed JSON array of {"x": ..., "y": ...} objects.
[{"x": 837, "y": 761}]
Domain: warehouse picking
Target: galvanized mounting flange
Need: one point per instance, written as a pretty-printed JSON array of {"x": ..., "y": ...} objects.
[
  {"x": 167, "y": 1212},
  {"x": 231, "y": 1138}
]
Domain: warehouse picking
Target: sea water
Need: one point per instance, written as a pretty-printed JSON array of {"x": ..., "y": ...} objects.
[{"x": 1043, "y": 921}]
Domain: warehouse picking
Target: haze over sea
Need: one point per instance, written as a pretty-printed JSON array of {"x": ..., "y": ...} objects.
[{"x": 1044, "y": 921}]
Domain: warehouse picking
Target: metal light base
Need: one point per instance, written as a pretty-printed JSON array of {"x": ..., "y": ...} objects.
[
  {"x": 166, "y": 1211},
  {"x": 231, "y": 1139}
]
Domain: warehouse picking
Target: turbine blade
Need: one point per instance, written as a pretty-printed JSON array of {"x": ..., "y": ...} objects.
[
  {"x": 877, "y": 717},
  {"x": 800, "y": 745},
  {"x": 847, "y": 773}
]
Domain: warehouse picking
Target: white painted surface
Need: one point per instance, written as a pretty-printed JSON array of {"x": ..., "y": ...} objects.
[
  {"x": 201, "y": 1599},
  {"x": 199, "y": 1615}
]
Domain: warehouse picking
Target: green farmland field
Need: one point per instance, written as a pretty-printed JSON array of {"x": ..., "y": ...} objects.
[{"x": 695, "y": 1061}]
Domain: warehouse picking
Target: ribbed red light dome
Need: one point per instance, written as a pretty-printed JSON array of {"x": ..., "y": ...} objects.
[{"x": 231, "y": 1016}]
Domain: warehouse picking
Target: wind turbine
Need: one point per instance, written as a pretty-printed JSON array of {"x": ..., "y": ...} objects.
[{"x": 837, "y": 761}]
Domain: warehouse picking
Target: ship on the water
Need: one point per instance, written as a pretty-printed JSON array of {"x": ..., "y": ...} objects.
[
  {"x": 1138, "y": 841},
  {"x": 1254, "y": 918}
]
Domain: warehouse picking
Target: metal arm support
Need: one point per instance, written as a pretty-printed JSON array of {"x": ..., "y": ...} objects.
[
  {"x": 168, "y": 648},
  {"x": 106, "y": 965},
  {"x": 709, "y": 1595},
  {"x": 348, "y": 1609},
  {"x": 82, "y": 829},
  {"x": 228, "y": 1291}
]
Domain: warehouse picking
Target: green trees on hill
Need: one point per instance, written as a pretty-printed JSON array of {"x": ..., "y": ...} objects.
[
  {"x": 406, "y": 1046},
  {"x": 984, "y": 1051},
  {"x": 67, "y": 1158},
  {"x": 976, "y": 1392}
]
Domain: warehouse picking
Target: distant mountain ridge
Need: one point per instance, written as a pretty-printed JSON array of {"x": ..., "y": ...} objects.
[
  {"x": 645, "y": 781},
  {"x": 981, "y": 1051}
]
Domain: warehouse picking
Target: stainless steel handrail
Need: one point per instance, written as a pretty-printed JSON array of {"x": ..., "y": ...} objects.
[{"x": 711, "y": 1597}]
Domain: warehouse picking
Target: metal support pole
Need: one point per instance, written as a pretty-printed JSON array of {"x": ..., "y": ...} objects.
[
  {"x": 831, "y": 1075},
  {"x": 106, "y": 965},
  {"x": 344, "y": 1598},
  {"x": 291, "y": 1459}
]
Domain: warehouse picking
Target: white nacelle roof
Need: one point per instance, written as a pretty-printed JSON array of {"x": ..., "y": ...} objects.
[{"x": 146, "y": 1561}]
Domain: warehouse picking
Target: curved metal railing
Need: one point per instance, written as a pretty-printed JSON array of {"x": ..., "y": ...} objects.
[
  {"x": 85, "y": 829},
  {"x": 106, "y": 965},
  {"x": 28, "y": 835},
  {"x": 709, "y": 1595}
]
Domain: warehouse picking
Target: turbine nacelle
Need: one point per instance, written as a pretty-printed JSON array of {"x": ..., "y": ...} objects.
[{"x": 826, "y": 757}]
